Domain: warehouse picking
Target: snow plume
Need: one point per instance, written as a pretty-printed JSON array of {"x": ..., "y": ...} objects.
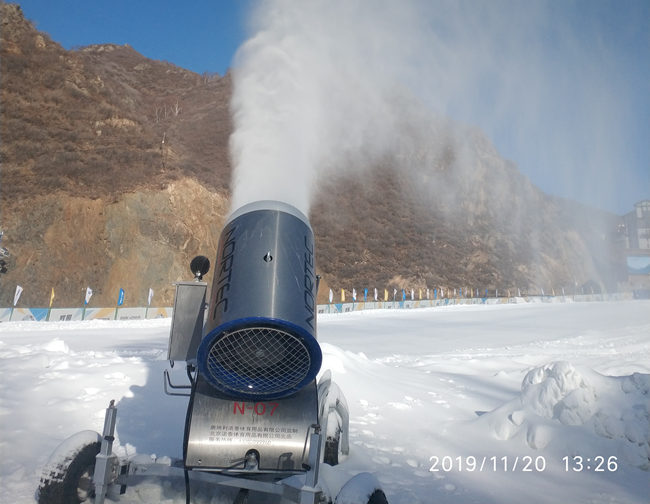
[
  {"x": 312, "y": 88},
  {"x": 323, "y": 84}
]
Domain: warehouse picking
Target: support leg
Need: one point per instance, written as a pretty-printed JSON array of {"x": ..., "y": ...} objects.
[
  {"x": 106, "y": 465},
  {"x": 309, "y": 494}
]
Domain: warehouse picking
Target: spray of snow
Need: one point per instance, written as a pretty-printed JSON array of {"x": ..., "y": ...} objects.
[
  {"x": 327, "y": 85},
  {"x": 312, "y": 88}
]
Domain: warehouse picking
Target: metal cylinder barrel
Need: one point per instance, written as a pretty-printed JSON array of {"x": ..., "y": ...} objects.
[{"x": 260, "y": 337}]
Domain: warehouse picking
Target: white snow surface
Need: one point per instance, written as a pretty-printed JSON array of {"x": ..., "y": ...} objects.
[{"x": 433, "y": 393}]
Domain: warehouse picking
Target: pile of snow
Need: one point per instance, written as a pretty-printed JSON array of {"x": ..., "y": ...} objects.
[
  {"x": 583, "y": 412},
  {"x": 433, "y": 395}
]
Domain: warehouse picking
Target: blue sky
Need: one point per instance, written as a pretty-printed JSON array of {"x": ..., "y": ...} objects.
[
  {"x": 581, "y": 41},
  {"x": 199, "y": 35}
]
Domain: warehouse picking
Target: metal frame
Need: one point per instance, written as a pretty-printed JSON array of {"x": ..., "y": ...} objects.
[{"x": 111, "y": 471}]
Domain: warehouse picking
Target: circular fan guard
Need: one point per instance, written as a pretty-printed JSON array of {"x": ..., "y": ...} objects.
[{"x": 259, "y": 362}]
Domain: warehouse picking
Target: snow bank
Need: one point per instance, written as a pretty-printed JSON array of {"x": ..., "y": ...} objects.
[
  {"x": 495, "y": 381},
  {"x": 587, "y": 413}
]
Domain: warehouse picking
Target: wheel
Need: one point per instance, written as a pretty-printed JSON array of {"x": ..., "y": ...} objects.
[
  {"x": 378, "y": 497},
  {"x": 242, "y": 496},
  {"x": 361, "y": 489},
  {"x": 67, "y": 478}
]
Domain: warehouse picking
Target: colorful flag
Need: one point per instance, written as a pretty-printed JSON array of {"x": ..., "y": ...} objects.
[
  {"x": 385, "y": 294},
  {"x": 89, "y": 294},
  {"x": 150, "y": 296},
  {"x": 365, "y": 294},
  {"x": 49, "y": 310},
  {"x": 375, "y": 293},
  {"x": 342, "y": 296},
  {"x": 354, "y": 294},
  {"x": 331, "y": 295},
  {"x": 19, "y": 291},
  {"x": 120, "y": 297}
]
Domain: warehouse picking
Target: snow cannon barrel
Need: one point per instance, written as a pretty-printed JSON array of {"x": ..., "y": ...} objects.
[{"x": 260, "y": 337}]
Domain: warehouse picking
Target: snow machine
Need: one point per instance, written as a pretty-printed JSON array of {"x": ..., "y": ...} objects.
[{"x": 257, "y": 420}]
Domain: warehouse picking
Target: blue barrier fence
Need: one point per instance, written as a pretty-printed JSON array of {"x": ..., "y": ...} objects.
[
  {"x": 141, "y": 313},
  {"x": 428, "y": 303},
  {"x": 65, "y": 314}
]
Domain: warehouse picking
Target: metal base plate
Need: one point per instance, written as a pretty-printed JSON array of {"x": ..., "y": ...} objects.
[{"x": 222, "y": 430}]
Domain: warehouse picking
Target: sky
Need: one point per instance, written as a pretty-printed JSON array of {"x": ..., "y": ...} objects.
[
  {"x": 200, "y": 35},
  {"x": 562, "y": 88}
]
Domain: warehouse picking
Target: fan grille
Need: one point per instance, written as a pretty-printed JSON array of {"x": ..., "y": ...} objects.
[{"x": 258, "y": 361}]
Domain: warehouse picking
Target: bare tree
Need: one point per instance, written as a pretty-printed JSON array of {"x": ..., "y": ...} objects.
[{"x": 162, "y": 149}]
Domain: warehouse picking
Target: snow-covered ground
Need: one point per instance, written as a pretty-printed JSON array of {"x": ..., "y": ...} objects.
[{"x": 458, "y": 404}]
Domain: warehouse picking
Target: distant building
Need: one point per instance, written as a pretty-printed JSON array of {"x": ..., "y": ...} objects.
[{"x": 635, "y": 228}]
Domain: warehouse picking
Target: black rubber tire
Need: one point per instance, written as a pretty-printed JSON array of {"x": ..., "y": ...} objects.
[
  {"x": 242, "y": 496},
  {"x": 71, "y": 481},
  {"x": 378, "y": 497},
  {"x": 362, "y": 483}
]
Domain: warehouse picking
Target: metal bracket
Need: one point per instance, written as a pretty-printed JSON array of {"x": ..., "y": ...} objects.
[
  {"x": 311, "y": 478},
  {"x": 168, "y": 383}
]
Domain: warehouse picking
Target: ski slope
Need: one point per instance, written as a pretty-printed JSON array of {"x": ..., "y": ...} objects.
[{"x": 458, "y": 404}]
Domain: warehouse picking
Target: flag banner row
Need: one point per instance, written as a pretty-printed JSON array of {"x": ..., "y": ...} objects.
[
  {"x": 402, "y": 295},
  {"x": 422, "y": 294},
  {"x": 146, "y": 312},
  {"x": 121, "y": 296}
]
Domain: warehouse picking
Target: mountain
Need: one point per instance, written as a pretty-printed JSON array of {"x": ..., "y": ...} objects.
[{"x": 115, "y": 173}]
